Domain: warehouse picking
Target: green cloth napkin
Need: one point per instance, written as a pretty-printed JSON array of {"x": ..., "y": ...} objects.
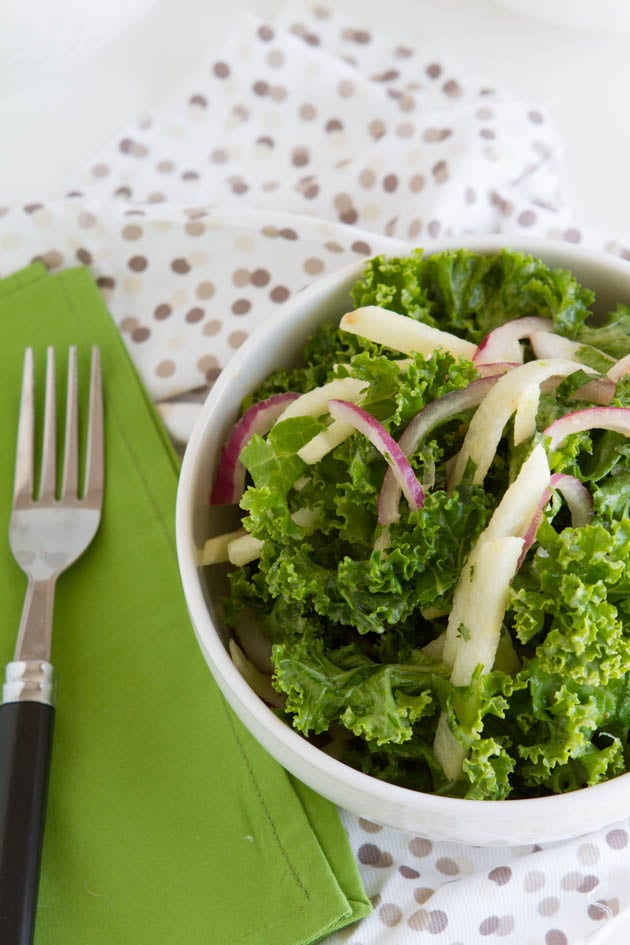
[{"x": 167, "y": 823}]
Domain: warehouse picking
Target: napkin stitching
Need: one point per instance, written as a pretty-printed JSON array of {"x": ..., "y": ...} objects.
[{"x": 272, "y": 823}]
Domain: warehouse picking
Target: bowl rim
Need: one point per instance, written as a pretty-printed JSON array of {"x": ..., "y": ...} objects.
[{"x": 236, "y": 689}]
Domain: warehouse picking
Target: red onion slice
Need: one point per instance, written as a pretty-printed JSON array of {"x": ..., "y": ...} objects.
[
  {"x": 502, "y": 343},
  {"x": 439, "y": 410},
  {"x": 229, "y": 479},
  {"x": 376, "y": 433},
  {"x": 578, "y": 499},
  {"x": 591, "y": 418}
]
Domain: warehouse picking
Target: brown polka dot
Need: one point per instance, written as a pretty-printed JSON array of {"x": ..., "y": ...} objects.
[
  {"x": 238, "y": 185},
  {"x": 420, "y": 846},
  {"x": 360, "y": 246},
  {"x": 447, "y": 866},
  {"x": 588, "y": 854},
  {"x": 588, "y": 883},
  {"x": 527, "y": 218},
  {"x": 535, "y": 117},
  {"x": 165, "y": 368},
  {"x": 260, "y": 277},
  {"x": 300, "y": 157},
  {"x": 128, "y": 324},
  {"x": 342, "y": 201},
  {"x": 597, "y": 911},
  {"x": 425, "y": 921},
  {"x": 212, "y": 327},
  {"x": 369, "y": 826},
  {"x": 313, "y": 266},
  {"x": 84, "y": 256},
  {"x": 415, "y": 227},
  {"x": 106, "y": 282},
  {"x": 572, "y": 235},
  {"x": 501, "y": 875},
  {"x": 287, "y": 233},
  {"x": 140, "y": 334},
  {"x": 132, "y": 231},
  {"x": 156, "y": 197},
  {"x": 416, "y": 183},
  {"x": 236, "y": 339},
  {"x": 162, "y": 311},
  {"x": 367, "y": 178},
  {"x": 549, "y": 905},
  {"x": 377, "y": 128},
  {"x": 333, "y": 124},
  {"x": 434, "y": 227},
  {"x": 279, "y": 293},
  {"x": 322, "y": 13},
  {"x": 195, "y": 228},
  {"x": 194, "y": 315},
  {"x": 200, "y": 100},
  {"x": 452, "y": 88},
  {"x": 556, "y": 937},
  {"x": 205, "y": 290},
  {"x": 265, "y": 140},
  {"x": 436, "y": 134},
  {"x": 221, "y": 70},
  {"x": 219, "y": 156},
  {"x": 100, "y": 170},
  {"x": 422, "y": 894},
  {"x": 311, "y": 38},
  {"x": 240, "y": 277},
  {"x": 241, "y": 306},
  {"x": 123, "y": 192},
  {"x": 346, "y": 88},
  {"x": 86, "y": 220},
  {"x": 266, "y": 33},
  {"x": 488, "y": 134},
  {"x": 181, "y": 266},
  {"x": 208, "y": 365},
  {"x": 533, "y": 881},
  {"x": 405, "y": 130},
  {"x": 278, "y": 93},
  {"x": 260, "y": 87},
  {"x": 307, "y": 111},
  {"x": 138, "y": 263},
  {"x": 371, "y": 855},
  {"x": 190, "y": 175},
  {"x": 390, "y": 183},
  {"x": 333, "y": 247},
  {"x": 407, "y": 872},
  {"x": 349, "y": 216},
  {"x": 135, "y": 148},
  {"x": 434, "y": 70},
  {"x": 489, "y": 925},
  {"x": 390, "y": 914},
  {"x": 403, "y": 52},
  {"x": 275, "y": 58},
  {"x": 617, "y": 839},
  {"x": 440, "y": 171},
  {"x": 52, "y": 259}
]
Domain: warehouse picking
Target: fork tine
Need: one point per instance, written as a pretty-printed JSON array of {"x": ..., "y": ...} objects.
[
  {"x": 49, "y": 448},
  {"x": 23, "y": 486},
  {"x": 71, "y": 445},
  {"x": 94, "y": 467}
]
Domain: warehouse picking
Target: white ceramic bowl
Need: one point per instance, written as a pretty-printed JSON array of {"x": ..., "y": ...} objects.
[{"x": 276, "y": 344}]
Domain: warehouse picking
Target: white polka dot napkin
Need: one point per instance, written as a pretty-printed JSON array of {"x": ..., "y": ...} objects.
[{"x": 294, "y": 149}]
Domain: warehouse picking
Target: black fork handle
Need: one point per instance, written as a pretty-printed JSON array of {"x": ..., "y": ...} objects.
[{"x": 26, "y": 730}]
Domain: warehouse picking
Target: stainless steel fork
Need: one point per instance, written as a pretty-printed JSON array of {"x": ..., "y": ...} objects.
[{"x": 49, "y": 529}]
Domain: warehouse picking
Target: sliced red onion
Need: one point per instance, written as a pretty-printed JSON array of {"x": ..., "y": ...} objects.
[
  {"x": 579, "y": 502},
  {"x": 600, "y": 391},
  {"x": 591, "y": 418},
  {"x": 366, "y": 424},
  {"x": 502, "y": 343},
  {"x": 426, "y": 420},
  {"x": 229, "y": 479},
  {"x": 619, "y": 368},
  {"x": 492, "y": 368}
]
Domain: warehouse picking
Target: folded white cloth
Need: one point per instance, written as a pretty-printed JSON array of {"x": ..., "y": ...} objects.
[{"x": 299, "y": 146}]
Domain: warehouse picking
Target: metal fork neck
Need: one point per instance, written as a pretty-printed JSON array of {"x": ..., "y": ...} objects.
[{"x": 34, "y": 634}]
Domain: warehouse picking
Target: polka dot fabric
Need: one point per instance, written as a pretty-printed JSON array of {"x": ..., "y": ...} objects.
[{"x": 298, "y": 147}]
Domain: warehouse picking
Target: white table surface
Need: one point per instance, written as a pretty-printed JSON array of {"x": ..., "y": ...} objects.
[{"x": 51, "y": 123}]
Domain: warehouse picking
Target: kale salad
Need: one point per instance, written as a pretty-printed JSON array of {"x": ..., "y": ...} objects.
[{"x": 430, "y": 580}]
